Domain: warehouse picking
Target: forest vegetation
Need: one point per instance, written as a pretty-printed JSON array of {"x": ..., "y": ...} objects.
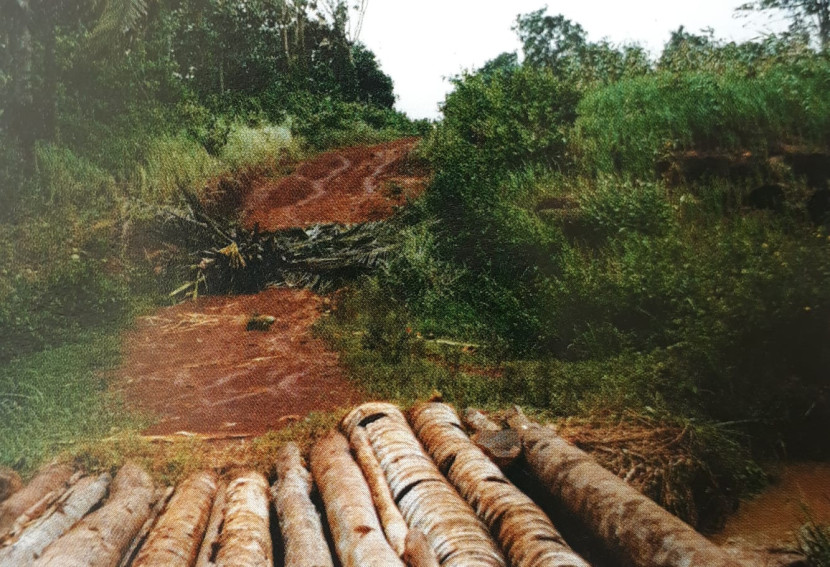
[{"x": 611, "y": 232}]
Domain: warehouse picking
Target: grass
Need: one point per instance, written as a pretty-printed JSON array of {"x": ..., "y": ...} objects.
[
  {"x": 170, "y": 461},
  {"x": 54, "y": 400},
  {"x": 630, "y": 125},
  {"x": 177, "y": 161}
]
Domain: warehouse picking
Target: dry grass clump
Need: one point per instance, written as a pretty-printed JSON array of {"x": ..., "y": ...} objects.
[{"x": 674, "y": 464}]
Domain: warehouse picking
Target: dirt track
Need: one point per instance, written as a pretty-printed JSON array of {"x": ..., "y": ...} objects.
[
  {"x": 196, "y": 366},
  {"x": 345, "y": 186}
]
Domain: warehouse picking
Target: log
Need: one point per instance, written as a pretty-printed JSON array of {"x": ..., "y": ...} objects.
[
  {"x": 210, "y": 543},
  {"x": 245, "y": 540},
  {"x": 522, "y": 529},
  {"x": 161, "y": 498},
  {"x": 176, "y": 538},
  {"x": 426, "y": 499},
  {"x": 355, "y": 528},
  {"x": 394, "y": 525},
  {"x": 300, "y": 524},
  {"x": 67, "y": 511},
  {"x": 45, "y": 487},
  {"x": 9, "y": 483},
  {"x": 101, "y": 539},
  {"x": 417, "y": 552},
  {"x": 630, "y": 525},
  {"x": 477, "y": 421}
]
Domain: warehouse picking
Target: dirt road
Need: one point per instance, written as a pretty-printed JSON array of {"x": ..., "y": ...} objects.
[{"x": 195, "y": 365}]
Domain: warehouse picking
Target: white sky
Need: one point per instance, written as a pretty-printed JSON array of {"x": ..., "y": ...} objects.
[{"x": 421, "y": 42}]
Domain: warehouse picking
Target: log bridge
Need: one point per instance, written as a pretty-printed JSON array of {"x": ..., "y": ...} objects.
[{"x": 425, "y": 489}]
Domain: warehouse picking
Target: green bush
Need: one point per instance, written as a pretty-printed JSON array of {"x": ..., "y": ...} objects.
[
  {"x": 511, "y": 118},
  {"x": 613, "y": 208},
  {"x": 325, "y": 122}
]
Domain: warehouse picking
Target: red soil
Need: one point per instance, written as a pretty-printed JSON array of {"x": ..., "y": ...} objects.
[
  {"x": 197, "y": 368},
  {"x": 346, "y": 186}
]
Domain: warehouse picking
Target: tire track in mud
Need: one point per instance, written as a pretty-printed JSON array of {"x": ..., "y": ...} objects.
[{"x": 197, "y": 368}]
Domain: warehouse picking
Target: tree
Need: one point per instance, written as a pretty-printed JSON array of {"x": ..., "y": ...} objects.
[
  {"x": 809, "y": 15},
  {"x": 29, "y": 30},
  {"x": 560, "y": 45},
  {"x": 549, "y": 41}
]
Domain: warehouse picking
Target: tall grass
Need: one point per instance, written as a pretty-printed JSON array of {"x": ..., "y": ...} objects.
[
  {"x": 264, "y": 145},
  {"x": 176, "y": 162},
  {"x": 626, "y": 127}
]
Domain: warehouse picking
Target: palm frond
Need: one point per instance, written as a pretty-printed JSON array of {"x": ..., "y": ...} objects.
[{"x": 118, "y": 19}]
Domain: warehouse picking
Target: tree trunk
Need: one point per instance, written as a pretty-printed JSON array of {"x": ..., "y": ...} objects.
[
  {"x": 210, "y": 543},
  {"x": 394, "y": 526},
  {"x": 426, "y": 499},
  {"x": 630, "y": 525},
  {"x": 355, "y": 528},
  {"x": 66, "y": 512},
  {"x": 417, "y": 552},
  {"x": 102, "y": 538},
  {"x": 246, "y": 540},
  {"x": 162, "y": 497},
  {"x": 300, "y": 525},
  {"x": 50, "y": 482},
  {"x": 175, "y": 540},
  {"x": 521, "y": 527}
]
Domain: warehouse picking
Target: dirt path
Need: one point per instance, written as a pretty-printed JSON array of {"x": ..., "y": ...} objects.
[
  {"x": 196, "y": 366},
  {"x": 346, "y": 186}
]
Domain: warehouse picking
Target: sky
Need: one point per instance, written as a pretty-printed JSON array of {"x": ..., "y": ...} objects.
[{"x": 421, "y": 43}]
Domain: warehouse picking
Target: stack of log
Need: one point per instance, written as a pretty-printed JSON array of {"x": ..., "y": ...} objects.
[
  {"x": 224, "y": 257},
  {"x": 394, "y": 490}
]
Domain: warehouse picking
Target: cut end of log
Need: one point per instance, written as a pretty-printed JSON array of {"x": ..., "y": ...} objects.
[{"x": 502, "y": 447}]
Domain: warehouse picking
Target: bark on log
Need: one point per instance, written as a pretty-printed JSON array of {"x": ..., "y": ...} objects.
[
  {"x": 355, "y": 528},
  {"x": 245, "y": 540},
  {"x": 68, "y": 510},
  {"x": 175, "y": 539},
  {"x": 426, "y": 499},
  {"x": 417, "y": 552},
  {"x": 210, "y": 543},
  {"x": 300, "y": 524},
  {"x": 101, "y": 539},
  {"x": 630, "y": 525},
  {"x": 9, "y": 483},
  {"x": 394, "y": 526},
  {"x": 162, "y": 497},
  {"x": 521, "y": 527},
  {"x": 50, "y": 482}
]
